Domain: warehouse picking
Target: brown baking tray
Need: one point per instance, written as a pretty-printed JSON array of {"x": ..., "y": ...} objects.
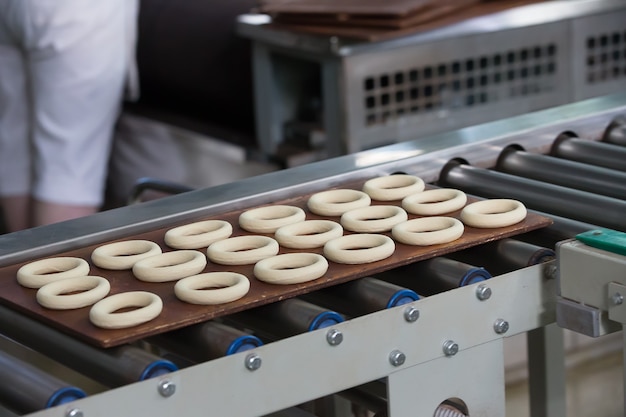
[{"x": 177, "y": 314}]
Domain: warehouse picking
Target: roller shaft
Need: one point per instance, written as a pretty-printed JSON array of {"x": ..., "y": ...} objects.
[
  {"x": 616, "y": 132},
  {"x": 571, "y": 174},
  {"x": 112, "y": 367},
  {"x": 549, "y": 198},
  {"x": 590, "y": 152}
]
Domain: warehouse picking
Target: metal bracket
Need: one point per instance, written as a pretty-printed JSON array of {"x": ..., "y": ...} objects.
[{"x": 617, "y": 305}]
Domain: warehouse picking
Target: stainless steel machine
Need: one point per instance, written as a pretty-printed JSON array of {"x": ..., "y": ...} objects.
[{"x": 410, "y": 357}]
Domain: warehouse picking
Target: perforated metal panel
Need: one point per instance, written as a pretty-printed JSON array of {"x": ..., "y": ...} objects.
[{"x": 406, "y": 92}]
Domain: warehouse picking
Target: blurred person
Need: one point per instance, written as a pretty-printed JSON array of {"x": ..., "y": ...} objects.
[{"x": 64, "y": 66}]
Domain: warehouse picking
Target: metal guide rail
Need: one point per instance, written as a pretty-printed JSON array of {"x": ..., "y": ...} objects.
[{"x": 431, "y": 345}]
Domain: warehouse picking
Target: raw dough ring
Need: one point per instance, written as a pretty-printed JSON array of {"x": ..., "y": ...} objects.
[
  {"x": 242, "y": 250},
  {"x": 102, "y": 314},
  {"x": 212, "y": 288},
  {"x": 373, "y": 219},
  {"x": 435, "y": 202},
  {"x": 493, "y": 213},
  {"x": 198, "y": 235},
  {"x": 428, "y": 231},
  {"x": 393, "y": 187},
  {"x": 56, "y": 295},
  {"x": 269, "y": 218},
  {"x": 123, "y": 255},
  {"x": 359, "y": 248},
  {"x": 39, "y": 273},
  {"x": 308, "y": 234},
  {"x": 170, "y": 266},
  {"x": 337, "y": 202},
  {"x": 291, "y": 268}
]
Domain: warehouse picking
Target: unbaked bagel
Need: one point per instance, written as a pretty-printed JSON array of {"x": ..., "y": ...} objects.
[
  {"x": 373, "y": 219},
  {"x": 291, "y": 268},
  {"x": 359, "y": 248},
  {"x": 103, "y": 313},
  {"x": 212, "y": 288},
  {"x": 198, "y": 235},
  {"x": 41, "y": 272},
  {"x": 170, "y": 266},
  {"x": 337, "y": 202},
  {"x": 123, "y": 255},
  {"x": 427, "y": 231},
  {"x": 308, "y": 234},
  {"x": 62, "y": 295},
  {"x": 435, "y": 202},
  {"x": 393, "y": 187},
  {"x": 242, "y": 250},
  {"x": 493, "y": 213},
  {"x": 269, "y": 218}
]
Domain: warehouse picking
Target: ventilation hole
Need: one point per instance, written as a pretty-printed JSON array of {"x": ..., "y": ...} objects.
[
  {"x": 469, "y": 100},
  {"x": 399, "y": 96},
  {"x": 369, "y": 84},
  {"x": 371, "y": 119},
  {"x": 510, "y": 75},
  {"x": 497, "y": 77},
  {"x": 523, "y": 54},
  {"x": 384, "y": 81},
  {"x": 524, "y": 72},
  {"x": 414, "y": 109},
  {"x": 456, "y": 67},
  {"x": 510, "y": 57},
  {"x": 428, "y": 91},
  {"x": 370, "y": 102},
  {"x": 384, "y": 99},
  {"x": 604, "y": 40},
  {"x": 469, "y": 83},
  {"x": 537, "y": 52},
  {"x": 456, "y": 85},
  {"x": 414, "y": 93},
  {"x": 551, "y": 49},
  {"x": 413, "y": 75},
  {"x": 428, "y": 72},
  {"x": 441, "y": 70},
  {"x": 497, "y": 59},
  {"x": 399, "y": 78},
  {"x": 469, "y": 65},
  {"x": 591, "y": 43},
  {"x": 615, "y": 38},
  {"x": 484, "y": 62}
]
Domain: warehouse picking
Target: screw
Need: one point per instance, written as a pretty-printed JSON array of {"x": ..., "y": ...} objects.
[
  {"x": 397, "y": 358},
  {"x": 617, "y": 298},
  {"x": 450, "y": 348},
  {"x": 253, "y": 362},
  {"x": 501, "y": 326},
  {"x": 334, "y": 337},
  {"x": 483, "y": 292},
  {"x": 166, "y": 388},
  {"x": 74, "y": 412},
  {"x": 411, "y": 314},
  {"x": 550, "y": 271}
]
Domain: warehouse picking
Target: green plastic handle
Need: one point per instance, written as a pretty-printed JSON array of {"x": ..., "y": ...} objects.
[{"x": 605, "y": 239}]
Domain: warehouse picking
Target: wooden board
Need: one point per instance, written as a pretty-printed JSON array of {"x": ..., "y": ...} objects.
[
  {"x": 378, "y": 33},
  {"x": 345, "y": 7},
  {"x": 177, "y": 314}
]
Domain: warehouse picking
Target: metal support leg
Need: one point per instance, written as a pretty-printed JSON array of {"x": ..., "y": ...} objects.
[
  {"x": 268, "y": 125},
  {"x": 546, "y": 371},
  {"x": 418, "y": 391},
  {"x": 333, "y": 111}
]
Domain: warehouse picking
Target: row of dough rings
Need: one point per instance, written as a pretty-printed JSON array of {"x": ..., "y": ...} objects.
[
  {"x": 359, "y": 248},
  {"x": 337, "y": 202},
  {"x": 493, "y": 213},
  {"x": 268, "y": 219},
  {"x": 435, "y": 202},
  {"x": 308, "y": 234},
  {"x": 373, "y": 219},
  {"x": 170, "y": 266},
  {"x": 242, "y": 250},
  {"x": 427, "y": 231},
  {"x": 41, "y": 272},
  {"x": 198, "y": 235},
  {"x": 291, "y": 268},
  {"x": 212, "y": 288},
  {"x": 103, "y": 313},
  {"x": 393, "y": 187},
  {"x": 123, "y": 255},
  {"x": 57, "y": 295}
]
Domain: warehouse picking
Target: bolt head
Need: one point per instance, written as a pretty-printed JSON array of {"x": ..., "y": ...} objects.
[
  {"x": 397, "y": 358},
  {"x": 483, "y": 292},
  {"x": 411, "y": 314},
  {"x": 617, "y": 299},
  {"x": 74, "y": 412},
  {"x": 166, "y": 388},
  {"x": 450, "y": 348},
  {"x": 501, "y": 326},
  {"x": 334, "y": 337},
  {"x": 253, "y": 362}
]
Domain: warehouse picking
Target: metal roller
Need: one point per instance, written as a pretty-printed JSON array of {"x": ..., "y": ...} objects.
[
  {"x": 26, "y": 389},
  {"x": 589, "y": 152},
  {"x": 506, "y": 255},
  {"x": 561, "y": 229},
  {"x": 571, "y": 174},
  {"x": 285, "y": 318},
  {"x": 112, "y": 367},
  {"x": 549, "y": 198},
  {"x": 436, "y": 275},
  {"x": 363, "y": 296},
  {"x": 206, "y": 341},
  {"x": 615, "y": 133}
]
